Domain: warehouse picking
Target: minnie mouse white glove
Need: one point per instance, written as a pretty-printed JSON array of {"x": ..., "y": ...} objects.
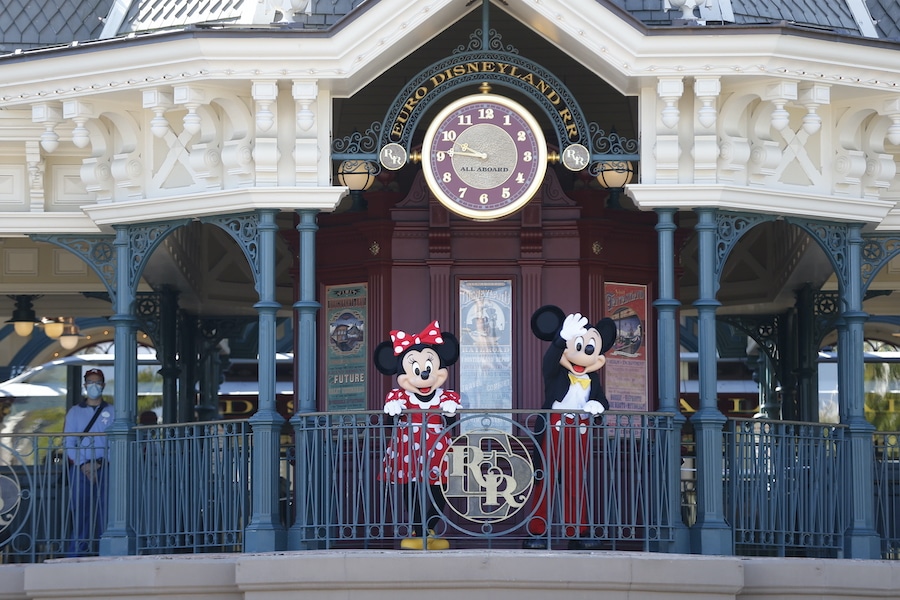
[
  {"x": 394, "y": 407},
  {"x": 449, "y": 407}
]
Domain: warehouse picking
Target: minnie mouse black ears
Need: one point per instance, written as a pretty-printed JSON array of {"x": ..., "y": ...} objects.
[{"x": 388, "y": 362}]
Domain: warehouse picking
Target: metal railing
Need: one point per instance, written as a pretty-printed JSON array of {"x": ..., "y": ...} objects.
[
  {"x": 887, "y": 493},
  {"x": 191, "y": 487},
  {"x": 47, "y": 508},
  {"x": 785, "y": 492},
  {"x": 508, "y": 479}
]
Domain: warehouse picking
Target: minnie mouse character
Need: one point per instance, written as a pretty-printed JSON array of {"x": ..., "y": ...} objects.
[
  {"x": 415, "y": 456},
  {"x": 572, "y": 383}
]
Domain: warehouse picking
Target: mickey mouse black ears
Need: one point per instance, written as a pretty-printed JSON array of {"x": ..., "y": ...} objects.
[{"x": 546, "y": 322}]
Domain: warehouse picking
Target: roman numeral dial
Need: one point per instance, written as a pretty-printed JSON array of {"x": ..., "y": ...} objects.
[{"x": 484, "y": 156}]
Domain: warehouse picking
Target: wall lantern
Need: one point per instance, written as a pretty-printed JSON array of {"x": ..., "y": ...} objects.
[
  {"x": 358, "y": 175},
  {"x": 614, "y": 176}
]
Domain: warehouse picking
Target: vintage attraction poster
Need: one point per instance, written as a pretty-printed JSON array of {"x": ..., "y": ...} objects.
[
  {"x": 346, "y": 359},
  {"x": 485, "y": 362},
  {"x": 627, "y": 377}
]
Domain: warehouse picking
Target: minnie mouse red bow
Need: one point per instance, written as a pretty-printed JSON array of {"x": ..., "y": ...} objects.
[{"x": 402, "y": 340}]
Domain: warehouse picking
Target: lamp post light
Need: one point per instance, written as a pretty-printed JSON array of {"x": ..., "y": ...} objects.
[
  {"x": 358, "y": 175},
  {"x": 614, "y": 176}
]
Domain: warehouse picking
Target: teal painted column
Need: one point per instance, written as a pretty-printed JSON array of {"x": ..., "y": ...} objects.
[
  {"x": 265, "y": 533},
  {"x": 168, "y": 352},
  {"x": 307, "y": 308},
  {"x": 769, "y": 406},
  {"x": 710, "y": 534},
  {"x": 119, "y": 539},
  {"x": 807, "y": 396},
  {"x": 862, "y": 541},
  {"x": 667, "y": 365}
]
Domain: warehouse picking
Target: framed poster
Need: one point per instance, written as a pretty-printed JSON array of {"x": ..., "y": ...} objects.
[
  {"x": 627, "y": 376},
  {"x": 485, "y": 345},
  {"x": 346, "y": 359}
]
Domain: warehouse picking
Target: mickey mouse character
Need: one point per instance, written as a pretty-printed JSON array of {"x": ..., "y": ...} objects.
[
  {"x": 415, "y": 456},
  {"x": 572, "y": 382}
]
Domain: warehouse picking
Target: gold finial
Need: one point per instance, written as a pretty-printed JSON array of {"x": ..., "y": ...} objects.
[
  {"x": 415, "y": 157},
  {"x": 485, "y": 88},
  {"x": 553, "y": 157}
]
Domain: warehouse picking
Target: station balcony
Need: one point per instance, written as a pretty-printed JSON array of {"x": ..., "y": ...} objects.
[{"x": 620, "y": 481}]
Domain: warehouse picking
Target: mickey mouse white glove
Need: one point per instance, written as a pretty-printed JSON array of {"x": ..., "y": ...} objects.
[
  {"x": 592, "y": 407},
  {"x": 394, "y": 407},
  {"x": 573, "y": 326},
  {"x": 449, "y": 407}
]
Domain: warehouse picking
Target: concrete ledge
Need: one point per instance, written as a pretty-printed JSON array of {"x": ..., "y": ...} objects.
[
  {"x": 768, "y": 578},
  {"x": 12, "y": 582},
  {"x": 170, "y": 576},
  {"x": 503, "y": 574}
]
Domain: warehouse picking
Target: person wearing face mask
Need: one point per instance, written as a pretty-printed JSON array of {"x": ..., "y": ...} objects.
[{"x": 87, "y": 464}]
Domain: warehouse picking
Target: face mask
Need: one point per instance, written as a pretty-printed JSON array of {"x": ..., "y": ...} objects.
[{"x": 93, "y": 390}]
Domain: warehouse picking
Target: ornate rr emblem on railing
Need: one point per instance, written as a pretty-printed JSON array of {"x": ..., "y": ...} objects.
[
  {"x": 490, "y": 475},
  {"x": 10, "y": 502}
]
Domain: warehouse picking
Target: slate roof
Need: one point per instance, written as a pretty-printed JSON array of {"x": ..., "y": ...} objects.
[
  {"x": 831, "y": 15},
  {"x": 887, "y": 18},
  {"x": 815, "y": 13},
  {"x": 29, "y": 24},
  {"x": 150, "y": 15}
]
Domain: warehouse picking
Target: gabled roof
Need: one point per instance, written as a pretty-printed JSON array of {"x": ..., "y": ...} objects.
[{"x": 28, "y": 24}]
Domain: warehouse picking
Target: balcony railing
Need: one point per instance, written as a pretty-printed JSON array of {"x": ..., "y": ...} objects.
[
  {"x": 887, "y": 493},
  {"x": 191, "y": 487},
  {"x": 784, "y": 483},
  {"x": 508, "y": 479}
]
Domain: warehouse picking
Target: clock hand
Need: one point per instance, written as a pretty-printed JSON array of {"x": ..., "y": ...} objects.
[{"x": 466, "y": 151}]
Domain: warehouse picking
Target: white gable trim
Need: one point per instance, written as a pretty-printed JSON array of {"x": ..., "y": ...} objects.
[
  {"x": 863, "y": 18},
  {"x": 617, "y": 51},
  {"x": 117, "y": 13},
  {"x": 779, "y": 202}
]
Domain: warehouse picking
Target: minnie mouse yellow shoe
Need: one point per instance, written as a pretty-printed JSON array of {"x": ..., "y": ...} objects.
[
  {"x": 436, "y": 543},
  {"x": 430, "y": 542}
]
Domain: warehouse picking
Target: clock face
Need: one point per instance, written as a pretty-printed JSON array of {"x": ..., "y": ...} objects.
[{"x": 484, "y": 156}]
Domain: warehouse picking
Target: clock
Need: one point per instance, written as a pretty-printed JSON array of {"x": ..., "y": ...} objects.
[{"x": 484, "y": 156}]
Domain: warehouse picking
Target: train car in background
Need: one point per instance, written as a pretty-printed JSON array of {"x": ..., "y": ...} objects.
[
  {"x": 881, "y": 386},
  {"x": 36, "y": 400},
  {"x": 736, "y": 389},
  {"x": 239, "y": 390}
]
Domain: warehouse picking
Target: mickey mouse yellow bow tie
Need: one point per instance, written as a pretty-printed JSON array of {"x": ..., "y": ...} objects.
[{"x": 584, "y": 382}]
